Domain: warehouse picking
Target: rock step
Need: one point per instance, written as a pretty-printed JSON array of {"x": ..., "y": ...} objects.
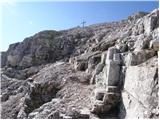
[
  {"x": 113, "y": 89},
  {"x": 110, "y": 91},
  {"x": 99, "y": 94}
]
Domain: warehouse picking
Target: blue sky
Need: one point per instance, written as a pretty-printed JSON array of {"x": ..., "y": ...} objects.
[{"x": 23, "y": 19}]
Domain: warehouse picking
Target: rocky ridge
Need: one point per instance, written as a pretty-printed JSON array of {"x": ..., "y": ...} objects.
[{"x": 107, "y": 70}]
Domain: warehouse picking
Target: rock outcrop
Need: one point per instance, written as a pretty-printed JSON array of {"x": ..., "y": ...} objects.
[
  {"x": 140, "y": 91},
  {"x": 107, "y": 70}
]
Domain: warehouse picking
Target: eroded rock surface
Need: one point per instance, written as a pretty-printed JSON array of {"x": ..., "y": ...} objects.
[
  {"x": 140, "y": 93},
  {"x": 107, "y": 70}
]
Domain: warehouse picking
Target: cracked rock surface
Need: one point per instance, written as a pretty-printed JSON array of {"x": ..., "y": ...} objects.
[{"x": 107, "y": 70}]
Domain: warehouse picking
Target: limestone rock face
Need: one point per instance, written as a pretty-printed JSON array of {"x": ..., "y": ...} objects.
[
  {"x": 151, "y": 21},
  {"x": 107, "y": 70},
  {"x": 140, "y": 94},
  {"x": 38, "y": 49},
  {"x": 142, "y": 42},
  {"x": 138, "y": 57}
]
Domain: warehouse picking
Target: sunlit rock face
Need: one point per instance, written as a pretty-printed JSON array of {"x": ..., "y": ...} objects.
[
  {"x": 140, "y": 93},
  {"x": 107, "y": 70}
]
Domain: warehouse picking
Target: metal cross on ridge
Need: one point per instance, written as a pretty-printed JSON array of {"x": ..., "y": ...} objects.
[{"x": 83, "y": 22}]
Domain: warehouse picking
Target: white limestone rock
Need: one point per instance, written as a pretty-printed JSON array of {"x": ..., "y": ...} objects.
[
  {"x": 151, "y": 21},
  {"x": 111, "y": 52},
  {"x": 142, "y": 42},
  {"x": 138, "y": 57},
  {"x": 140, "y": 94},
  {"x": 60, "y": 87},
  {"x": 112, "y": 73}
]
